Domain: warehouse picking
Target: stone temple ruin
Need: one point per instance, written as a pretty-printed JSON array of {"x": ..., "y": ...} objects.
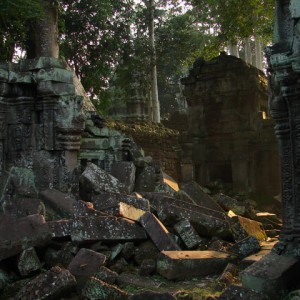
[
  {"x": 230, "y": 136},
  {"x": 81, "y": 202},
  {"x": 82, "y": 206}
]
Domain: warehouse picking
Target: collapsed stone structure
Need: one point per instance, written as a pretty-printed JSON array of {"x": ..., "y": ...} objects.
[
  {"x": 83, "y": 201},
  {"x": 230, "y": 135}
]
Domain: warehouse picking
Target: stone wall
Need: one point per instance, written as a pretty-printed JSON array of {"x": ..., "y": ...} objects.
[
  {"x": 157, "y": 141},
  {"x": 230, "y": 136}
]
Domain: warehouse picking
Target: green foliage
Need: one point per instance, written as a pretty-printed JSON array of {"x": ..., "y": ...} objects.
[{"x": 14, "y": 19}]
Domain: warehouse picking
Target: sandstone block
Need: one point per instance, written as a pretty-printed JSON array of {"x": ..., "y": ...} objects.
[
  {"x": 147, "y": 267},
  {"x": 157, "y": 232},
  {"x": 246, "y": 247},
  {"x": 124, "y": 171},
  {"x": 49, "y": 285},
  {"x": 199, "y": 197},
  {"x": 271, "y": 274},
  {"x": 228, "y": 203},
  {"x": 106, "y": 229},
  {"x": 188, "y": 234},
  {"x": 61, "y": 228},
  {"x": 136, "y": 280},
  {"x": 235, "y": 292},
  {"x": 130, "y": 212},
  {"x": 106, "y": 275},
  {"x": 60, "y": 202},
  {"x": 152, "y": 296},
  {"x": 187, "y": 264},
  {"x": 148, "y": 179},
  {"x": 94, "y": 180},
  {"x": 28, "y": 262},
  {"x": 97, "y": 289},
  {"x": 86, "y": 263}
]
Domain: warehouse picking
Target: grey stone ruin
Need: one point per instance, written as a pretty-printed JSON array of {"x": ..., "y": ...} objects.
[
  {"x": 277, "y": 271},
  {"x": 41, "y": 127}
]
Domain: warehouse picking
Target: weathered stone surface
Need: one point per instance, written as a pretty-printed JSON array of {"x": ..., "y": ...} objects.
[
  {"x": 269, "y": 221},
  {"x": 22, "y": 207},
  {"x": 170, "y": 182},
  {"x": 61, "y": 257},
  {"x": 28, "y": 231},
  {"x": 62, "y": 203},
  {"x": 49, "y": 285},
  {"x": 186, "y": 264},
  {"x": 235, "y": 292},
  {"x": 157, "y": 232},
  {"x": 130, "y": 212},
  {"x": 271, "y": 274},
  {"x": 109, "y": 202},
  {"x": 128, "y": 250},
  {"x": 152, "y": 296},
  {"x": 106, "y": 275},
  {"x": 60, "y": 228},
  {"x": 229, "y": 274},
  {"x": 126, "y": 278},
  {"x": 217, "y": 244},
  {"x": 97, "y": 289},
  {"x": 147, "y": 267},
  {"x": 86, "y": 263},
  {"x": 94, "y": 180},
  {"x": 124, "y": 171},
  {"x": 243, "y": 227},
  {"x": 148, "y": 179},
  {"x": 205, "y": 224},
  {"x": 188, "y": 234},
  {"x": 145, "y": 250},
  {"x": 246, "y": 246},
  {"x": 106, "y": 229},
  {"x": 86, "y": 209},
  {"x": 28, "y": 262},
  {"x": 200, "y": 197},
  {"x": 228, "y": 203}
]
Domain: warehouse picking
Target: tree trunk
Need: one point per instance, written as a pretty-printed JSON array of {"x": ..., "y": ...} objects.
[
  {"x": 46, "y": 31},
  {"x": 248, "y": 54},
  {"x": 258, "y": 54},
  {"x": 233, "y": 49},
  {"x": 154, "y": 90}
]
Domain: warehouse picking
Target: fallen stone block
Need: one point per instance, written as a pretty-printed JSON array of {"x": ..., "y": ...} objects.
[
  {"x": 236, "y": 292},
  {"x": 124, "y": 171},
  {"x": 109, "y": 202},
  {"x": 271, "y": 274},
  {"x": 128, "y": 250},
  {"x": 86, "y": 263},
  {"x": 61, "y": 257},
  {"x": 29, "y": 231},
  {"x": 152, "y": 296},
  {"x": 120, "y": 265},
  {"x": 62, "y": 203},
  {"x": 243, "y": 227},
  {"x": 269, "y": 220},
  {"x": 145, "y": 250},
  {"x": 47, "y": 285},
  {"x": 188, "y": 234},
  {"x": 23, "y": 207},
  {"x": 246, "y": 247},
  {"x": 148, "y": 179},
  {"x": 130, "y": 212},
  {"x": 147, "y": 267},
  {"x": 157, "y": 232},
  {"x": 229, "y": 275},
  {"x": 106, "y": 275},
  {"x": 28, "y": 262},
  {"x": 187, "y": 264},
  {"x": 205, "y": 225},
  {"x": 199, "y": 197},
  {"x": 86, "y": 209},
  {"x": 106, "y": 229},
  {"x": 217, "y": 244},
  {"x": 170, "y": 182},
  {"x": 97, "y": 289},
  {"x": 228, "y": 203},
  {"x": 93, "y": 180},
  {"x": 125, "y": 279},
  {"x": 61, "y": 228}
]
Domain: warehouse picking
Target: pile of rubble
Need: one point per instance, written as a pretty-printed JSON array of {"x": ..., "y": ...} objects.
[{"x": 131, "y": 223}]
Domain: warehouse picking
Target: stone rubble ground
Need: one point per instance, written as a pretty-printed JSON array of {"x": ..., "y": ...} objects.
[{"x": 94, "y": 248}]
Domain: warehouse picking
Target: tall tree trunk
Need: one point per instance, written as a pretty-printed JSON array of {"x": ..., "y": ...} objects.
[
  {"x": 258, "y": 54},
  {"x": 155, "y": 101},
  {"x": 46, "y": 31},
  {"x": 248, "y": 54},
  {"x": 233, "y": 49}
]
